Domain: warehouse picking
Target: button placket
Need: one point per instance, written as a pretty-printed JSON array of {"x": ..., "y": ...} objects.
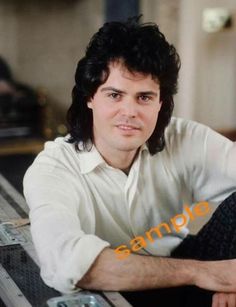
[{"x": 131, "y": 190}]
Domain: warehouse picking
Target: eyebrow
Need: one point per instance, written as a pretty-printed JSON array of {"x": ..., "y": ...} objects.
[{"x": 110, "y": 88}]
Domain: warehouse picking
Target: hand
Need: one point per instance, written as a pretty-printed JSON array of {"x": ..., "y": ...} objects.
[
  {"x": 217, "y": 276},
  {"x": 224, "y": 300}
]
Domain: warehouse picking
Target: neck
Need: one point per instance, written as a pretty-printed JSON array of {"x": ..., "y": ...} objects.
[{"x": 122, "y": 160}]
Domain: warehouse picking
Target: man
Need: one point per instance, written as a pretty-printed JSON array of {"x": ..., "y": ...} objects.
[{"x": 125, "y": 167}]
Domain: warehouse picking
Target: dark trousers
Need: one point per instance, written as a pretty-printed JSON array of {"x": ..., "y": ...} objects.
[{"x": 215, "y": 241}]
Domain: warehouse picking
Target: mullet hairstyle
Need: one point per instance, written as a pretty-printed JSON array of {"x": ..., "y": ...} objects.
[{"x": 140, "y": 48}]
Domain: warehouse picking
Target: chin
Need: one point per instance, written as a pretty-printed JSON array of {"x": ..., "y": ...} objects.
[{"x": 128, "y": 147}]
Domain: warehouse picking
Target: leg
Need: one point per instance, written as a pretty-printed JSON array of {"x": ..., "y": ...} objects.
[
  {"x": 157, "y": 298},
  {"x": 215, "y": 241}
]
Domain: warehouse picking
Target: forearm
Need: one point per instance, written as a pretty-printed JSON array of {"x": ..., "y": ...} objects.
[{"x": 137, "y": 272}]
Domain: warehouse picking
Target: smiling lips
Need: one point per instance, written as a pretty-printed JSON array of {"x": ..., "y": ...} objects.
[{"x": 127, "y": 127}]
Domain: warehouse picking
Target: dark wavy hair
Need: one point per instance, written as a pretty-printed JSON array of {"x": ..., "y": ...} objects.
[{"x": 141, "y": 48}]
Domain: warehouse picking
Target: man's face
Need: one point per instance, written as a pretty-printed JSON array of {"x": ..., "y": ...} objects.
[{"x": 125, "y": 110}]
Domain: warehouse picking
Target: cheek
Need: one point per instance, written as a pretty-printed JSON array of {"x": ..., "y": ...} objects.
[
  {"x": 153, "y": 122},
  {"x": 151, "y": 117},
  {"x": 103, "y": 114},
  {"x": 150, "y": 122},
  {"x": 108, "y": 111}
]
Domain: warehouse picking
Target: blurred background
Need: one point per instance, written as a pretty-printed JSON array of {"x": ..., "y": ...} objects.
[{"x": 42, "y": 41}]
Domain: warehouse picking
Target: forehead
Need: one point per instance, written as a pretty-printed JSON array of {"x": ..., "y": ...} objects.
[{"x": 119, "y": 73}]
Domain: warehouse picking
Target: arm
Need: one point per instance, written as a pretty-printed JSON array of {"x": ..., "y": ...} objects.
[{"x": 138, "y": 272}]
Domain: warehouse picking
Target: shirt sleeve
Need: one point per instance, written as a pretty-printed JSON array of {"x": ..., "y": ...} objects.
[
  {"x": 214, "y": 173},
  {"x": 64, "y": 250}
]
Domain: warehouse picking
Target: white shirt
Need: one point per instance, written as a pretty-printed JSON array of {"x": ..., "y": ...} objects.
[{"x": 79, "y": 204}]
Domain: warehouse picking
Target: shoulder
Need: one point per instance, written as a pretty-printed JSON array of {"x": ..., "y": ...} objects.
[
  {"x": 189, "y": 131},
  {"x": 56, "y": 166},
  {"x": 182, "y": 131},
  {"x": 58, "y": 155},
  {"x": 185, "y": 141},
  {"x": 184, "y": 127}
]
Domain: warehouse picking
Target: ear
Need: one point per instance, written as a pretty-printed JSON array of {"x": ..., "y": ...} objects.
[
  {"x": 160, "y": 105},
  {"x": 90, "y": 104}
]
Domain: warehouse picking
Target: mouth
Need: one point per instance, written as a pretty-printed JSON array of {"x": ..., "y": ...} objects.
[
  {"x": 128, "y": 130},
  {"x": 127, "y": 127}
]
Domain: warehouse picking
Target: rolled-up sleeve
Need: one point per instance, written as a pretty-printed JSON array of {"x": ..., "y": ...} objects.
[{"x": 65, "y": 250}]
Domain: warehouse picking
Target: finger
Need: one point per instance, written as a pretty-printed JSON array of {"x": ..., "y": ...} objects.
[
  {"x": 222, "y": 299},
  {"x": 215, "y": 300},
  {"x": 231, "y": 300}
]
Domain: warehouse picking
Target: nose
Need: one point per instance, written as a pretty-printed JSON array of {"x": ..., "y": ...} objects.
[{"x": 129, "y": 107}]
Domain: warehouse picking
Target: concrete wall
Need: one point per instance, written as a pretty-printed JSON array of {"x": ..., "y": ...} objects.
[
  {"x": 43, "y": 40},
  {"x": 207, "y": 86},
  {"x": 208, "y": 75},
  {"x": 8, "y": 32},
  {"x": 165, "y": 14}
]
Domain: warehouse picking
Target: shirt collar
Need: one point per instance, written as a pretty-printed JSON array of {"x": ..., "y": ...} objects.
[{"x": 91, "y": 159}]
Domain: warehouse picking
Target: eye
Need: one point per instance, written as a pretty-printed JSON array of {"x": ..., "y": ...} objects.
[
  {"x": 144, "y": 98},
  {"x": 114, "y": 96}
]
